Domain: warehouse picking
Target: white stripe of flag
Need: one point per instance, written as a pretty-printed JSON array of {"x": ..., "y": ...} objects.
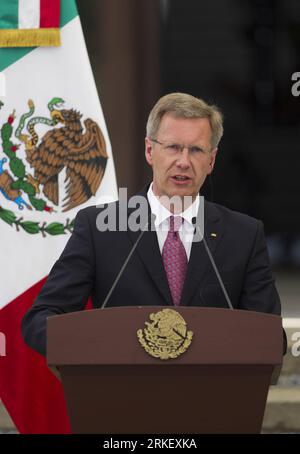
[
  {"x": 2, "y": 84},
  {"x": 29, "y": 14}
]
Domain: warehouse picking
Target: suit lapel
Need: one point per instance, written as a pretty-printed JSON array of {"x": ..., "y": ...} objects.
[
  {"x": 199, "y": 266},
  {"x": 149, "y": 253}
]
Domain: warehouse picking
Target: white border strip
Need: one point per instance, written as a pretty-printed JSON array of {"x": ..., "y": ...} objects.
[
  {"x": 2, "y": 84},
  {"x": 29, "y": 14},
  {"x": 291, "y": 322}
]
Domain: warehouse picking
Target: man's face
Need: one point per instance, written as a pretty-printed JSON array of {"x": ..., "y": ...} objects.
[{"x": 180, "y": 172}]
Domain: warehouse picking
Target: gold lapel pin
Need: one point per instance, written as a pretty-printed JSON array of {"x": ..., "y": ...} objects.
[{"x": 213, "y": 234}]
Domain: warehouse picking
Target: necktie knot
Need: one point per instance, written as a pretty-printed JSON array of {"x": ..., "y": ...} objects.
[{"x": 175, "y": 223}]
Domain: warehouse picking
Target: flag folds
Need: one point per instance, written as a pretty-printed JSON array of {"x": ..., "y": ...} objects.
[{"x": 55, "y": 158}]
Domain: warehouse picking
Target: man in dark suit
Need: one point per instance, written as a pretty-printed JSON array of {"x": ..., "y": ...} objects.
[{"x": 169, "y": 266}]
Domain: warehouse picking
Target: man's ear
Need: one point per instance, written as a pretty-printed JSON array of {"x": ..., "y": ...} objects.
[
  {"x": 213, "y": 156},
  {"x": 148, "y": 150}
]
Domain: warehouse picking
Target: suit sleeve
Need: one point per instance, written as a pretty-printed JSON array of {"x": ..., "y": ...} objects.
[
  {"x": 259, "y": 292},
  {"x": 67, "y": 288}
]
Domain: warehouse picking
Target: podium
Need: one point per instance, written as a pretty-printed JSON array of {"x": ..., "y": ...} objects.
[{"x": 112, "y": 385}]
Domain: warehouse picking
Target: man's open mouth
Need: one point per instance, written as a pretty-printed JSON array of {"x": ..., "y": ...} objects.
[{"x": 180, "y": 178}]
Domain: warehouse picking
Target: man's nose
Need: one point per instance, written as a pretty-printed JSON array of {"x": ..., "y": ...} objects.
[{"x": 184, "y": 159}]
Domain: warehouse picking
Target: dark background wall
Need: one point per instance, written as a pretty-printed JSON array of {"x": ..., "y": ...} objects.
[
  {"x": 239, "y": 55},
  {"x": 123, "y": 41}
]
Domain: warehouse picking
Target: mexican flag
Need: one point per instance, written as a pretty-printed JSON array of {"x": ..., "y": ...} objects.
[{"x": 55, "y": 158}]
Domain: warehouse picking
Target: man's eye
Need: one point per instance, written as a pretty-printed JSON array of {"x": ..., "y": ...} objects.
[
  {"x": 174, "y": 147},
  {"x": 196, "y": 150}
]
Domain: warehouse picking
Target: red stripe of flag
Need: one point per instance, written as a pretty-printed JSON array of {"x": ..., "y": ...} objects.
[
  {"x": 49, "y": 13},
  {"x": 31, "y": 393}
]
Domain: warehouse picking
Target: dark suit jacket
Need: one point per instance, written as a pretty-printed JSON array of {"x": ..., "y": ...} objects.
[{"x": 91, "y": 261}]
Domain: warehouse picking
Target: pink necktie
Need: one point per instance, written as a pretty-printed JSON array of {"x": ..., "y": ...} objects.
[{"x": 175, "y": 259}]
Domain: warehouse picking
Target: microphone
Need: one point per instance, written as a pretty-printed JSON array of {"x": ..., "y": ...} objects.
[
  {"x": 212, "y": 261},
  {"x": 126, "y": 261}
]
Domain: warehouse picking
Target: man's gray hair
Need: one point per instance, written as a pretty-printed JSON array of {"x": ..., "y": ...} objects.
[{"x": 182, "y": 105}]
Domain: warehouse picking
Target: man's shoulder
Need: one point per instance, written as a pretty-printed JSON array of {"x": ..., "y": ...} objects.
[
  {"x": 230, "y": 217},
  {"x": 98, "y": 218},
  {"x": 93, "y": 210}
]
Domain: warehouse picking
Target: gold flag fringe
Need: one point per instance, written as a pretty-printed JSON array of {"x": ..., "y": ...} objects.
[{"x": 30, "y": 37}]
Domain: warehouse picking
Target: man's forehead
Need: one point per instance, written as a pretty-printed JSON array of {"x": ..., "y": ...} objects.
[{"x": 178, "y": 125}]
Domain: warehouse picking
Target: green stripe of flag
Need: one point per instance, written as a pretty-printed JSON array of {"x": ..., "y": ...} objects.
[
  {"x": 9, "y": 13},
  {"x": 9, "y": 55}
]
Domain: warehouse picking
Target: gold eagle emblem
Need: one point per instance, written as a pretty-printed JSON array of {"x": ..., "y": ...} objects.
[
  {"x": 82, "y": 154},
  {"x": 166, "y": 337}
]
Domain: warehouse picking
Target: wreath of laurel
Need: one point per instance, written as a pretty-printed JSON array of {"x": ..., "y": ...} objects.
[{"x": 54, "y": 228}]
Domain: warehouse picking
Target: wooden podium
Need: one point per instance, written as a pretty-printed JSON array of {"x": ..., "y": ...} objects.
[{"x": 219, "y": 385}]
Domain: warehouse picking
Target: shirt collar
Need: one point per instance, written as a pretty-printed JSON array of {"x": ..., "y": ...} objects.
[{"x": 162, "y": 213}]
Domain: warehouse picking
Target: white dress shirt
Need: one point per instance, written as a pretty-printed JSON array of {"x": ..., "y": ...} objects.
[{"x": 186, "y": 232}]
